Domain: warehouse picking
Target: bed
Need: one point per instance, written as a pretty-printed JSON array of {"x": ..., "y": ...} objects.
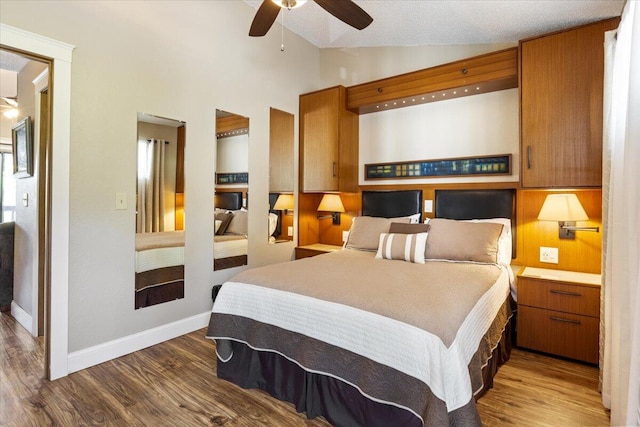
[
  {"x": 159, "y": 267},
  {"x": 230, "y": 238},
  {"x": 378, "y": 334}
]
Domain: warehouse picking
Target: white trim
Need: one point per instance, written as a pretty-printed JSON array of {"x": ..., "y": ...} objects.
[
  {"x": 100, "y": 353},
  {"x": 41, "y": 82},
  {"x": 61, "y": 54},
  {"x": 21, "y": 316}
]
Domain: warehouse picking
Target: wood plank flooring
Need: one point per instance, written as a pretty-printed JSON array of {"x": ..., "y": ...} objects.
[{"x": 174, "y": 384}]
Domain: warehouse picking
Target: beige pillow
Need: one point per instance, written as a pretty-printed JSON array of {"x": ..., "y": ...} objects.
[
  {"x": 463, "y": 241},
  {"x": 405, "y": 247},
  {"x": 239, "y": 223},
  {"x": 365, "y": 232}
]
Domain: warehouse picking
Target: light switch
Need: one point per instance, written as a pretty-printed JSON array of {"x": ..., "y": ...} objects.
[
  {"x": 121, "y": 201},
  {"x": 25, "y": 199},
  {"x": 428, "y": 206}
]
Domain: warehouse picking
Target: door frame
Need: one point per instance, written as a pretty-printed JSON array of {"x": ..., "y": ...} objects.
[{"x": 60, "y": 54}]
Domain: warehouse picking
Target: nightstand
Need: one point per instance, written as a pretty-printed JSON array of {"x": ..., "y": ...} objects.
[
  {"x": 559, "y": 312},
  {"x": 315, "y": 249}
]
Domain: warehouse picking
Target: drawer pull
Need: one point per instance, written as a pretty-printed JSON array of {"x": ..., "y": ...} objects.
[
  {"x": 571, "y": 294},
  {"x": 558, "y": 319}
]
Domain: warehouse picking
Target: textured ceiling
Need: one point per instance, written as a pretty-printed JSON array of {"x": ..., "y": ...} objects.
[{"x": 437, "y": 22}]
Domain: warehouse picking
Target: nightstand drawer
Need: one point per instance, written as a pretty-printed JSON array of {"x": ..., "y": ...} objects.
[
  {"x": 568, "y": 298},
  {"x": 563, "y": 334}
]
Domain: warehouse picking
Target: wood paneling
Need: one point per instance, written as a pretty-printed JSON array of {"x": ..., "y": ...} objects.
[
  {"x": 281, "y": 135},
  {"x": 481, "y": 74},
  {"x": 175, "y": 383},
  {"x": 582, "y": 254},
  {"x": 561, "y": 91},
  {"x": 232, "y": 122}
]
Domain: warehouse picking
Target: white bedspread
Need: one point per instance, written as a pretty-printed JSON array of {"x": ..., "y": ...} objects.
[{"x": 423, "y": 355}]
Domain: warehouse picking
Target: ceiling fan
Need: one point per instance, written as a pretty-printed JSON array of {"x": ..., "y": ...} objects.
[{"x": 345, "y": 10}]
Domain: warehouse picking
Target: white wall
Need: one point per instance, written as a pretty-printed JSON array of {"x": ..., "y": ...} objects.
[
  {"x": 174, "y": 59},
  {"x": 25, "y": 278},
  {"x": 471, "y": 126},
  {"x": 233, "y": 154}
]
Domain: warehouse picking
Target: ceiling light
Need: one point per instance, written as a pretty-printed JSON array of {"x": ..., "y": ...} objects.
[{"x": 289, "y": 4}]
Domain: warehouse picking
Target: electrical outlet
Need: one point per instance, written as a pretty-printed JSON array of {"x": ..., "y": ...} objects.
[
  {"x": 345, "y": 235},
  {"x": 549, "y": 255},
  {"x": 289, "y": 231}
]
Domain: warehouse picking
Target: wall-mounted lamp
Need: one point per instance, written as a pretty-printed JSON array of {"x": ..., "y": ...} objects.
[
  {"x": 331, "y": 203},
  {"x": 566, "y": 209},
  {"x": 284, "y": 202}
]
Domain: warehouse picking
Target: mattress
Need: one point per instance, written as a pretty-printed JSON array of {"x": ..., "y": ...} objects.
[
  {"x": 411, "y": 338},
  {"x": 226, "y": 246}
]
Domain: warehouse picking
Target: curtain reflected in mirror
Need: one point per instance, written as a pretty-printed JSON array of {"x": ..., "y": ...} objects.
[
  {"x": 281, "y": 176},
  {"x": 231, "y": 238},
  {"x": 159, "y": 239}
]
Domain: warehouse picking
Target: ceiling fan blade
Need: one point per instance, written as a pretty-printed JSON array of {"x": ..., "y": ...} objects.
[
  {"x": 347, "y": 11},
  {"x": 264, "y": 19}
]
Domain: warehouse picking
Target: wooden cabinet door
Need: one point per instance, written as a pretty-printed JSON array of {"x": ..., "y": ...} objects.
[
  {"x": 561, "y": 91},
  {"x": 319, "y": 139}
]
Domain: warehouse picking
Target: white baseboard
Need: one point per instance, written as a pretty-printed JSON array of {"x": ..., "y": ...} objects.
[
  {"x": 21, "y": 316},
  {"x": 92, "y": 356}
]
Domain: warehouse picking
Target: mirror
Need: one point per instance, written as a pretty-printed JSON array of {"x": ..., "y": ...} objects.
[
  {"x": 159, "y": 210},
  {"x": 281, "y": 176},
  {"x": 231, "y": 191}
]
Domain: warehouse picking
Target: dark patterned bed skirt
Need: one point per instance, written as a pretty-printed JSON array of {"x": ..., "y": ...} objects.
[
  {"x": 159, "y": 294},
  {"x": 340, "y": 403},
  {"x": 229, "y": 262}
]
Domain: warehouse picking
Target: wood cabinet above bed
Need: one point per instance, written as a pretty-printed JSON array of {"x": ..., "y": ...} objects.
[{"x": 328, "y": 142}]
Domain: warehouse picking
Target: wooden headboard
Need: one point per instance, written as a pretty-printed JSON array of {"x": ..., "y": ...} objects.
[
  {"x": 478, "y": 204},
  {"x": 231, "y": 200},
  {"x": 391, "y": 204}
]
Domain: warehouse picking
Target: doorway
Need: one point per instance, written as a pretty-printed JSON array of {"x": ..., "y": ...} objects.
[{"x": 25, "y": 135}]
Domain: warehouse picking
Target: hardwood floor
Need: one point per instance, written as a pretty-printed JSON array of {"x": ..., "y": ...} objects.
[{"x": 174, "y": 384}]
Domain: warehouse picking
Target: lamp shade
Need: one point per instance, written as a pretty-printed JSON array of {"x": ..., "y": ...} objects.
[
  {"x": 283, "y": 202},
  {"x": 289, "y": 4},
  {"x": 331, "y": 203},
  {"x": 562, "y": 207}
]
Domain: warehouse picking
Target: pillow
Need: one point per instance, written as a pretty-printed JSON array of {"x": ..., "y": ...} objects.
[
  {"x": 463, "y": 241},
  {"x": 273, "y": 223},
  {"x": 365, "y": 232},
  {"x": 225, "y": 218},
  {"x": 217, "y": 222},
  {"x": 505, "y": 241},
  {"x": 239, "y": 223},
  {"x": 406, "y": 247},
  {"x": 401, "y": 228}
]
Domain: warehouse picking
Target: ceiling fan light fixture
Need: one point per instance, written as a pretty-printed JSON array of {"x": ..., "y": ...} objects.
[{"x": 289, "y": 4}]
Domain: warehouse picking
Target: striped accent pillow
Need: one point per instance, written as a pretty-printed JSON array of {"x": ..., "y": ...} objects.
[{"x": 406, "y": 247}]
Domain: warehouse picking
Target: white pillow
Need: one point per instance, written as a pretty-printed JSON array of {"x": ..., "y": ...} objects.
[
  {"x": 405, "y": 247},
  {"x": 505, "y": 241},
  {"x": 273, "y": 223}
]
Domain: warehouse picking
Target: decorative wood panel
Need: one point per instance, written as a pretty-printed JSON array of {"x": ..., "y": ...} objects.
[
  {"x": 281, "y": 152},
  {"x": 232, "y": 124},
  {"x": 480, "y": 74}
]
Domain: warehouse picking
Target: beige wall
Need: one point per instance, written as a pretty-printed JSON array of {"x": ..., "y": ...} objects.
[{"x": 172, "y": 59}]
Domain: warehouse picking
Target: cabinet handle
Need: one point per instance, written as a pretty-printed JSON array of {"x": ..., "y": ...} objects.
[
  {"x": 559, "y": 319},
  {"x": 333, "y": 169},
  {"x": 528, "y": 157},
  {"x": 570, "y": 294}
]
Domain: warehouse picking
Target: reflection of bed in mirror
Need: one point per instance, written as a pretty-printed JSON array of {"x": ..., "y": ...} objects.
[
  {"x": 373, "y": 334},
  {"x": 231, "y": 229},
  {"x": 159, "y": 267}
]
